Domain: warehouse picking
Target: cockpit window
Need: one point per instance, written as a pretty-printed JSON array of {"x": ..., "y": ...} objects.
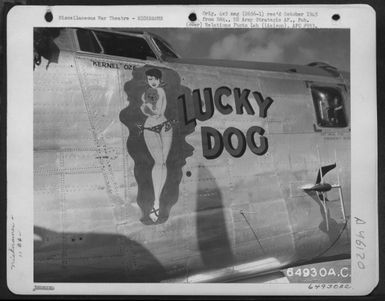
[
  {"x": 87, "y": 41},
  {"x": 125, "y": 45},
  {"x": 164, "y": 48},
  {"x": 329, "y": 107},
  {"x": 114, "y": 44}
]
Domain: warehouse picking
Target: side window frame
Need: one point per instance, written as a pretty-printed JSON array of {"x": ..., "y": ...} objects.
[
  {"x": 344, "y": 96},
  {"x": 97, "y": 40},
  {"x": 158, "y": 50}
]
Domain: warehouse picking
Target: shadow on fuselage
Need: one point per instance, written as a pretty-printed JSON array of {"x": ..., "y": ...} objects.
[
  {"x": 213, "y": 240},
  {"x": 97, "y": 257},
  {"x": 89, "y": 257}
]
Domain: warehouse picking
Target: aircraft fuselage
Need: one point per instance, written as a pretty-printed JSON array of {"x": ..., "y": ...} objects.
[{"x": 234, "y": 203}]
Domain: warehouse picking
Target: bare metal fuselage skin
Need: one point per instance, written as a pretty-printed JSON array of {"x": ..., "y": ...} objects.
[{"x": 230, "y": 213}]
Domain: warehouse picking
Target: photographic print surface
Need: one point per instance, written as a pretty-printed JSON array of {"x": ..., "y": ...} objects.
[{"x": 191, "y": 155}]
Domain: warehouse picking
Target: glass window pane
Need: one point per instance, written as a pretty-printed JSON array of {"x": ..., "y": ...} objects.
[
  {"x": 329, "y": 107},
  {"x": 124, "y": 45}
]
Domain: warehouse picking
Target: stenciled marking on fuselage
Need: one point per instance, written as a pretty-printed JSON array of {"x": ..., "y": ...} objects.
[
  {"x": 110, "y": 65},
  {"x": 241, "y": 104}
]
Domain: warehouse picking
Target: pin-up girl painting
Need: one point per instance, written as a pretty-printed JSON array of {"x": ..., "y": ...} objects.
[
  {"x": 156, "y": 140},
  {"x": 157, "y": 133}
]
